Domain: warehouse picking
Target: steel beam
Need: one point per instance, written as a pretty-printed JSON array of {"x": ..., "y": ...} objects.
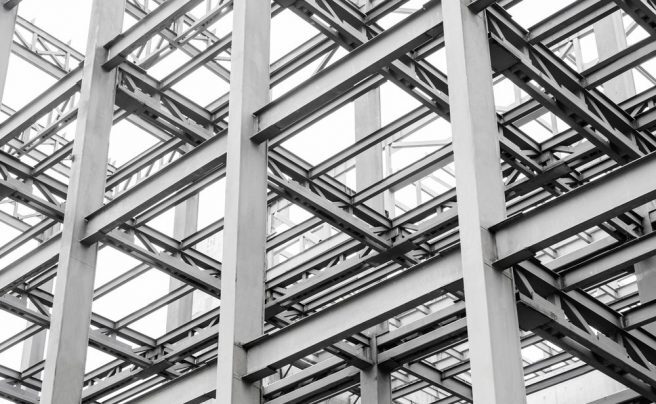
[
  {"x": 194, "y": 386},
  {"x": 41, "y": 258},
  {"x": 628, "y": 187},
  {"x": 434, "y": 377},
  {"x": 366, "y": 60},
  {"x": 607, "y": 265},
  {"x": 395, "y": 295},
  {"x": 198, "y": 163},
  {"x": 569, "y": 20},
  {"x": 30, "y": 113},
  {"x": 120, "y": 47}
]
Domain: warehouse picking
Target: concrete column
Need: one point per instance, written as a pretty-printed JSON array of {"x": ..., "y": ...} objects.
[
  {"x": 185, "y": 223},
  {"x": 71, "y": 312},
  {"x": 244, "y": 248},
  {"x": 495, "y": 354},
  {"x": 7, "y": 24}
]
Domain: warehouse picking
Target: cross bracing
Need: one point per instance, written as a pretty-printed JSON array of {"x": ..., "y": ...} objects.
[{"x": 496, "y": 223}]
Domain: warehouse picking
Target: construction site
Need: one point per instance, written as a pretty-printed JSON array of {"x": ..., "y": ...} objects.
[{"x": 328, "y": 201}]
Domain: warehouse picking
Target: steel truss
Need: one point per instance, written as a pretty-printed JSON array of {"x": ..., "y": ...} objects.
[{"x": 545, "y": 245}]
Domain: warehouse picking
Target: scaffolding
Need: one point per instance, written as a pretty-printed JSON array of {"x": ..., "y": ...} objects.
[{"x": 357, "y": 277}]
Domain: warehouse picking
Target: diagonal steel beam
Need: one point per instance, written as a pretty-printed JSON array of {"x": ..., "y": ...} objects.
[
  {"x": 56, "y": 94},
  {"x": 199, "y": 162},
  {"x": 359, "y": 64},
  {"x": 121, "y": 46}
]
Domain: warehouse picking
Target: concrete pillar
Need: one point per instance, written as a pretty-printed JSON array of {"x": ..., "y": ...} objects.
[
  {"x": 244, "y": 251},
  {"x": 185, "y": 223},
  {"x": 494, "y": 345},
  {"x": 7, "y": 24},
  {"x": 71, "y": 312}
]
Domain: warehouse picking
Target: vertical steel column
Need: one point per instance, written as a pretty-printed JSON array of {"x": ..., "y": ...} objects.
[
  {"x": 369, "y": 164},
  {"x": 610, "y": 39},
  {"x": 8, "y": 12},
  {"x": 185, "y": 223},
  {"x": 493, "y": 332},
  {"x": 244, "y": 252},
  {"x": 34, "y": 346},
  {"x": 375, "y": 383},
  {"x": 71, "y": 312},
  {"x": 375, "y": 386}
]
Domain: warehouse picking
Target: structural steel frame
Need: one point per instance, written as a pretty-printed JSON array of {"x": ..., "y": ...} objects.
[{"x": 543, "y": 245}]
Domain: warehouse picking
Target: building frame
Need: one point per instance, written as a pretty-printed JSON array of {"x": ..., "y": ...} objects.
[{"x": 543, "y": 245}]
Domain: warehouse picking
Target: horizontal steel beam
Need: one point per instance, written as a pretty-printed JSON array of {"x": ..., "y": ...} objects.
[
  {"x": 39, "y": 259},
  {"x": 193, "y": 166},
  {"x": 605, "y": 266},
  {"x": 395, "y": 295},
  {"x": 194, "y": 386},
  {"x": 29, "y": 114},
  {"x": 520, "y": 236}
]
